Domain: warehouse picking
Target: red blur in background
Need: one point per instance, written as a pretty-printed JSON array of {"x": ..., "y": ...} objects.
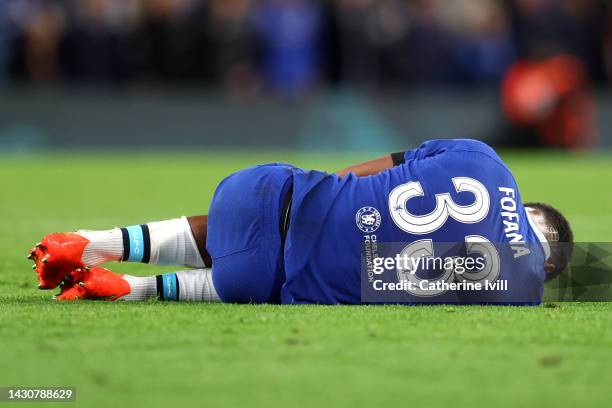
[{"x": 552, "y": 97}]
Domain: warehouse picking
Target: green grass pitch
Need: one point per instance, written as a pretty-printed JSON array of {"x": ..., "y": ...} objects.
[{"x": 170, "y": 354}]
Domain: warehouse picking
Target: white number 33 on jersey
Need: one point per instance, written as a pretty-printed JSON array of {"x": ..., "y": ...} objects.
[{"x": 445, "y": 206}]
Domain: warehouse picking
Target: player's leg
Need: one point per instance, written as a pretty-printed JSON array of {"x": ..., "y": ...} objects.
[
  {"x": 243, "y": 237},
  {"x": 179, "y": 241},
  {"x": 199, "y": 227},
  {"x": 169, "y": 242},
  {"x": 98, "y": 283}
]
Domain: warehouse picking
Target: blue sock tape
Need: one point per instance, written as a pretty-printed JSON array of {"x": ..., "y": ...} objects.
[
  {"x": 136, "y": 243},
  {"x": 169, "y": 286}
]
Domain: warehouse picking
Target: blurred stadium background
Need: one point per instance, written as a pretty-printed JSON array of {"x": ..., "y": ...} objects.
[{"x": 303, "y": 74}]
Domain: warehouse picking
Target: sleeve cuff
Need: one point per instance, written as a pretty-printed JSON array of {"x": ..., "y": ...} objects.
[{"x": 398, "y": 158}]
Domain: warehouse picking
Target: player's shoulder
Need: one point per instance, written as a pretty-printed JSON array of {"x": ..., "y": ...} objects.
[
  {"x": 462, "y": 147},
  {"x": 458, "y": 145},
  {"x": 470, "y": 145}
]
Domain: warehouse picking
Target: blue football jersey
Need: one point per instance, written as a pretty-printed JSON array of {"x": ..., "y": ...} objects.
[{"x": 449, "y": 198}]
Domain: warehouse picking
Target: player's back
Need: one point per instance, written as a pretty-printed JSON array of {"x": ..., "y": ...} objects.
[{"x": 449, "y": 198}]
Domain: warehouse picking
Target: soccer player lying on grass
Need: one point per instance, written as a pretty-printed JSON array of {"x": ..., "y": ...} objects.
[{"x": 277, "y": 233}]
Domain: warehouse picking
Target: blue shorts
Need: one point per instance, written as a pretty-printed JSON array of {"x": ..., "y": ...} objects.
[{"x": 243, "y": 234}]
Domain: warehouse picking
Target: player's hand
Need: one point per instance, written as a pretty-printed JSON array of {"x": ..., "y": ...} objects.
[
  {"x": 56, "y": 256},
  {"x": 93, "y": 283}
]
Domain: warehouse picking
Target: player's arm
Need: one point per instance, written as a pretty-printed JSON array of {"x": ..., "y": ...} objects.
[{"x": 375, "y": 166}]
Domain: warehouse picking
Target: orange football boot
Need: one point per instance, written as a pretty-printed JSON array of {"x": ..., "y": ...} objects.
[
  {"x": 56, "y": 256},
  {"x": 93, "y": 283}
]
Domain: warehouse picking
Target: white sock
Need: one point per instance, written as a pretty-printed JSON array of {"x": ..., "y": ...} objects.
[
  {"x": 167, "y": 242},
  {"x": 141, "y": 288},
  {"x": 193, "y": 286},
  {"x": 196, "y": 286},
  {"x": 103, "y": 246}
]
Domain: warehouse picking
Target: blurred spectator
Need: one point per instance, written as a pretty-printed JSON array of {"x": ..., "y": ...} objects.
[
  {"x": 389, "y": 31},
  {"x": 353, "y": 51},
  {"x": 164, "y": 44},
  {"x": 607, "y": 43},
  {"x": 289, "y": 32},
  {"x": 548, "y": 102},
  {"x": 371, "y": 41},
  {"x": 233, "y": 45},
  {"x": 36, "y": 46},
  {"x": 548, "y": 27},
  {"x": 89, "y": 48},
  {"x": 6, "y": 35},
  {"x": 429, "y": 43},
  {"x": 483, "y": 48}
]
